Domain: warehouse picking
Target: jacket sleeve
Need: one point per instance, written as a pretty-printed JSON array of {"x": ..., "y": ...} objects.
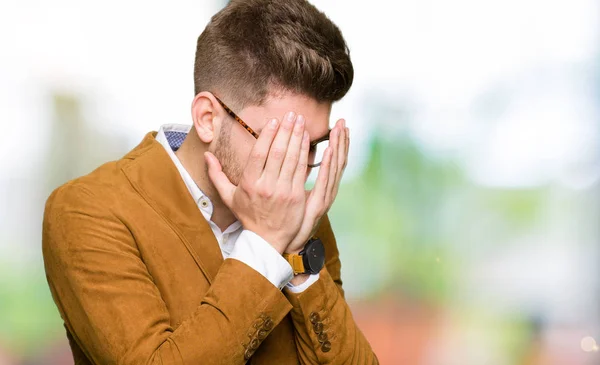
[
  {"x": 114, "y": 311},
  {"x": 325, "y": 332}
]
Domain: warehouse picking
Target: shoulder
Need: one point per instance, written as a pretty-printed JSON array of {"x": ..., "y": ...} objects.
[
  {"x": 97, "y": 187},
  {"x": 103, "y": 187}
]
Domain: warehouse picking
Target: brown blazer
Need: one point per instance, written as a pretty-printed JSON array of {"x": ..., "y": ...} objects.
[{"x": 138, "y": 278}]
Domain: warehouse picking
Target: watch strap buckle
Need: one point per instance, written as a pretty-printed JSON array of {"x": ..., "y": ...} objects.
[{"x": 297, "y": 263}]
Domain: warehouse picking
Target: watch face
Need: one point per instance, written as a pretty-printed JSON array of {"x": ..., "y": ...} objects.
[{"x": 314, "y": 256}]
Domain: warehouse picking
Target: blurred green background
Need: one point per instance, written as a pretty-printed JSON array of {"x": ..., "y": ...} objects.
[{"x": 468, "y": 218}]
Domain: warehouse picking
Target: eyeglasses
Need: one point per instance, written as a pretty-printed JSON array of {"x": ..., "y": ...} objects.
[{"x": 317, "y": 148}]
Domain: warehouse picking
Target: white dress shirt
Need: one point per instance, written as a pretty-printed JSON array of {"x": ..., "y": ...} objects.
[{"x": 236, "y": 242}]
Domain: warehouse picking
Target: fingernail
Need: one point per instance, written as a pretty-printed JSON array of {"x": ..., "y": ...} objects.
[
  {"x": 300, "y": 120},
  {"x": 273, "y": 123},
  {"x": 305, "y": 137},
  {"x": 291, "y": 116}
]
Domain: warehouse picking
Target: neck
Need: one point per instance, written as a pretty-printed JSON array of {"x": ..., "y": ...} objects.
[{"x": 191, "y": 156}]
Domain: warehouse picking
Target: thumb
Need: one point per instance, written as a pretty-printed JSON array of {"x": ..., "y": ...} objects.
[{"x": 215, "y": 172}]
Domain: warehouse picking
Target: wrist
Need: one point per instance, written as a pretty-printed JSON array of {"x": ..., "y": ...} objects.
[
  {"x": 299, "y": 279},
  {"x": 278, "y": 243},
  {"x": 309, "y": 260},
  {"x": 296, "y": 246},
  {"x": 293, "y": 251}
]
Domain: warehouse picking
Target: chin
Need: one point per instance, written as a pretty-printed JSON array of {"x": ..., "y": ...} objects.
[{"x": 233, "y": 173}]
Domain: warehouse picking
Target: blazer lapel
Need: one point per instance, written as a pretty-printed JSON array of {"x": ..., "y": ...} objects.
[{"x": 154, "y": 176}]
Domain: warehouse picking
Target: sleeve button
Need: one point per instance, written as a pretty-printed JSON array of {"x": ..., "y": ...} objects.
[
  {"x": 268, "y": 325},
  {"x": 262, "y": 334},
  {"x": 323, "y": 337},
  {"x": 259, "y": 322},
  {"x": 314, "y": 317},
  {"x": 326, "y": 346},
  {"x": 318, "y": 327},
  {"x": 254, "y": 344}
]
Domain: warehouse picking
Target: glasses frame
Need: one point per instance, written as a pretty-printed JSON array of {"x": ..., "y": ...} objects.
[{"x": 231, "y": 113}]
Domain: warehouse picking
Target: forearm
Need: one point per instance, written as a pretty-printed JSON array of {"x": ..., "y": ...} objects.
[
  {"x": 299, "y": 279},
  {"x": 224, "y": 329},
  {"x": 114, "y": 325},
  {"x": 325, "y": 330}
]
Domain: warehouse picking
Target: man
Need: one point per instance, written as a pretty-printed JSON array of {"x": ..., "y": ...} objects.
[{"x": 201, "y": 246}]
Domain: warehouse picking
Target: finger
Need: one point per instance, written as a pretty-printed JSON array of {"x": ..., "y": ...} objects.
[
  {"x": 290, "y": 163},
  {"x": 260, "y": 151},
  {"x": 334, "y": 144},
  {"x": 224, "y": 187},
  {"x": 279, "y": 147},
  {"x": 342, "y": 160},
  {"x": 319, "y": 190},
  {"x": 300, "y": 174},
  {"x": 347, "y": 144},
  {"x": 342, "y": 152}
]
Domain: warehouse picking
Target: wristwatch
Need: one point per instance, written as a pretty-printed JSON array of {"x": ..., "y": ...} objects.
[{"x": 310, "y": 260}]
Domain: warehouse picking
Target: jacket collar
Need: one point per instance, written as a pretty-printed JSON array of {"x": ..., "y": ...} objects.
[{"x": 154, "y": 176}]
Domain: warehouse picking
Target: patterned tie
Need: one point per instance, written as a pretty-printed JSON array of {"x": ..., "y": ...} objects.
[{"x": 175, "y": 139}]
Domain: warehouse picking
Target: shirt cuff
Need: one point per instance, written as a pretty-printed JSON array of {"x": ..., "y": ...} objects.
[
  {"x": 254, "y": 251},
  {"x": 302, "y": 287}
]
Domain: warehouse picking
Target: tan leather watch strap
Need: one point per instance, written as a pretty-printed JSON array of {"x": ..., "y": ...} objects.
[{"x": 296, "y": 263}]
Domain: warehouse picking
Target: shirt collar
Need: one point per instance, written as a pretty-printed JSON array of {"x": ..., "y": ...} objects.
[{"x": 170, "y": 136}]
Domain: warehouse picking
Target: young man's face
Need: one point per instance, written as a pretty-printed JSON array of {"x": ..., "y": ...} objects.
[{"x": 234, "y": 143}]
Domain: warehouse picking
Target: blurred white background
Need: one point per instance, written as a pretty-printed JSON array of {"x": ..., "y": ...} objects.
[{"x": 504, "y": 93}]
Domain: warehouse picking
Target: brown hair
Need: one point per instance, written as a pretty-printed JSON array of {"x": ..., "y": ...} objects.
[{"x": 253, "y": 47}]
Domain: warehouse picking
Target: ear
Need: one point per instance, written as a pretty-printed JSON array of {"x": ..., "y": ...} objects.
[{"x": 205, "y": 116}]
